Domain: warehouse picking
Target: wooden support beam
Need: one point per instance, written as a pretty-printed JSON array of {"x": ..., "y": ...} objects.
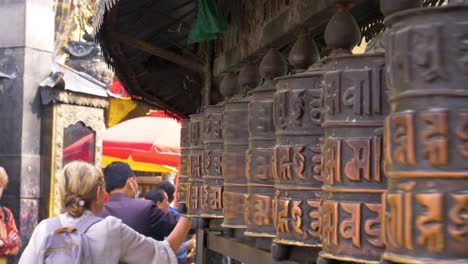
[
  {"x": 157, "y": 51},
  {"x": 239, "y": 251}
]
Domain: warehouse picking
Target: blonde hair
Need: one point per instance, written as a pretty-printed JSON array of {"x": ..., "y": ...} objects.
[
  {"x": 3, "y": 177},
  {"x": 78, "y": 184}
]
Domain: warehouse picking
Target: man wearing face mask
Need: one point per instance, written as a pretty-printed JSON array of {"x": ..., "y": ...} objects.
[{"x": 143, "y": 216}]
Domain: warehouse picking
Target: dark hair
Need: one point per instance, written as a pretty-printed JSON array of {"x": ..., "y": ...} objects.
[
  {"x": 156, "y": 195},
  {"x": 168, "y": 187},
  {"x": 116, "y": 175}
]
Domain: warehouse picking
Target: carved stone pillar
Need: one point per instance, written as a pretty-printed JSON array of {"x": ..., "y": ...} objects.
[
  {"x": 212, "y": 190},
  {"x": 426, "y": 143},
  {"x": 195, "y": 180},
  {"x": 184, "y": 166},
  {"x": 296, "y": 158},
  {"x": 236, "y": 140},
  {"x": 355, "y": 105},
  {"x": 259, "y": 155}
]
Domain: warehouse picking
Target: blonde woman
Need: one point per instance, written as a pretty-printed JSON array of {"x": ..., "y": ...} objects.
[
  {"x": 9, "y": 239},
  {"x": 110, "y": 241}
]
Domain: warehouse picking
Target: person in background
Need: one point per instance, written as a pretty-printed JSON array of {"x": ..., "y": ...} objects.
[
  {"x": 81, "y": 188},
  {"x": 10, "y": 241},
  {"x": 123, "y": 203},
  {"x": 169, "y": 189},
  {"x": 160, "y": 199}
]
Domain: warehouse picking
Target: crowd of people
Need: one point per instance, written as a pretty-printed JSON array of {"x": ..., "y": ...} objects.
[{"x": 126, "y": 228}]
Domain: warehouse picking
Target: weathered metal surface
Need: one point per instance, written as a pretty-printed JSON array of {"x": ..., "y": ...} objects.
[
  {"x": 355, "y": 104},
  {"x": 184, "y": 166},
  {"x": 229, "y": 86},
  {"x": 256, "y": 26},
  {"x": 212, "y": 190},
  {"x": 259, "y": 155},
  {"x": 236, "y": 140},
  {"x": 297, "y": 159},
  {"x": 426, "y": 153},
  {"x": 195, "y": 180},
  {"x": 342, "y": 31}
]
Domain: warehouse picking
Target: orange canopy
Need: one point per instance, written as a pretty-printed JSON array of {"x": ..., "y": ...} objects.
[{"x": 150, "y": 143}]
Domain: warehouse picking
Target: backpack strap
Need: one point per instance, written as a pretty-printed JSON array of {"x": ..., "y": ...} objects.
[
  {"x": 52, "y": 224},
  {"x": 84, "y": 224}
]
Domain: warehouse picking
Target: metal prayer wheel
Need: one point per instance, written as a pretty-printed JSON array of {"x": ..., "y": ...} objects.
[
  {"x": 184, "y": 162},
  {"x": 212, "y": 190},
  {"x": 195, "y": 180},
  {"x": 259, "y": 155},
  {"x": 297, "y": 159},
  {"x": 426, "y": 143},
  {"x": 236, "y": 140},
  {"x": 355, "y": 105},
  {"x": 297, "y": 104}
]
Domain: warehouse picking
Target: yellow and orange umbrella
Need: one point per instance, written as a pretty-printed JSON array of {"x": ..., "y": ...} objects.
[{"x": 149, "y": 143}]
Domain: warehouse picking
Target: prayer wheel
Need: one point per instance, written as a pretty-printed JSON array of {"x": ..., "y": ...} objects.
[
  {"x": 259, "y": 155},
  {"x": 236, "y": 139},
  {"x": 426, "y": 143},
  {"x": 195, "y": 180},
  {"x": 184, "y": 163},
  {"x": 236, "y": 143},
  {"x": 355, "y": 105},
  {"x": 296, "y": 158},
  {"x": 212, "y": 190}
]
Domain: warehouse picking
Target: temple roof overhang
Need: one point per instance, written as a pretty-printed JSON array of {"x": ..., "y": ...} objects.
[
  {"x": 66, "y": 85},
  {"x": 146, "y": 42}
]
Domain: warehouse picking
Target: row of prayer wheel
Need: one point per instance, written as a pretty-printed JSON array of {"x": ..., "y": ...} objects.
[{"x": 364, "y": 156}]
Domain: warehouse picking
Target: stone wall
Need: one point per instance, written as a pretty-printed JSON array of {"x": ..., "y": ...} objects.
[{"x": 25, "y": 58}]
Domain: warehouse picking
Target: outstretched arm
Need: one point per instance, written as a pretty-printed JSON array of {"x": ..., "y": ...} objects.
[{"x": 177, "y": 236}]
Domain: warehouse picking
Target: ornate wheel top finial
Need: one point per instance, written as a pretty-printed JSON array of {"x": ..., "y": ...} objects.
[
  {"x": 249, "y": 76},
  {"x": 228, "y": 86},
  {"x": 342, "y": 32},
  {"x": 273, "y": 65},
  {"x": 388, "y": 7},
  {"x": 304, "y": 52},
  {"x": 248, "y": 79}
]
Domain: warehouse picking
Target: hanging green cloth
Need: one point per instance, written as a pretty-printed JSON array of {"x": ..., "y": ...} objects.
[{"x": 209, "y": 22}]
